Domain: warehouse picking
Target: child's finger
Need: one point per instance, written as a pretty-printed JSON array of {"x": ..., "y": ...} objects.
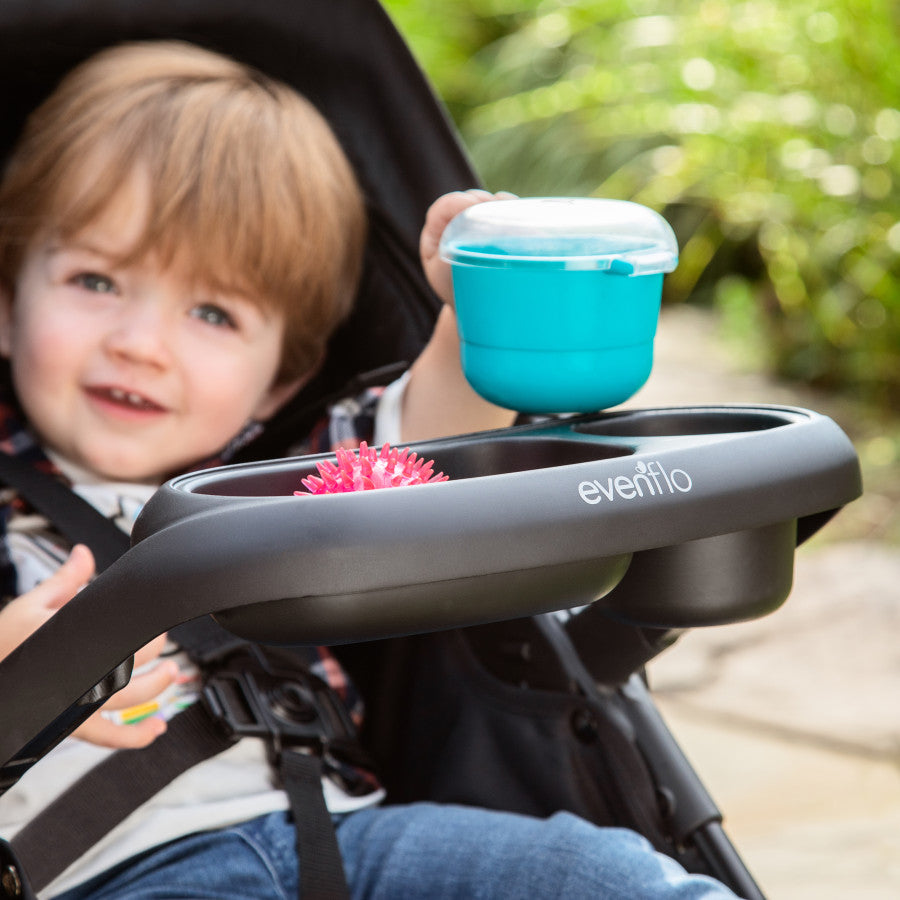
[
  {"x": 60, "y": 587},
  {"x": 439, "y": 215},
  {"x": 144, "y": 688},
  {"x": 99, "y": 730},
  {"x": 150, "y": 651},
  {"x": 442, "y": 211}
]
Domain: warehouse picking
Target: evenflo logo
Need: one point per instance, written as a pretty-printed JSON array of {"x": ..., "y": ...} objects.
[{"x": 649, "y": 480}]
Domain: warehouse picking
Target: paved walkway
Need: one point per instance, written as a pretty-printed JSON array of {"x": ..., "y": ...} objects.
[{"x": 793, "y": 721}]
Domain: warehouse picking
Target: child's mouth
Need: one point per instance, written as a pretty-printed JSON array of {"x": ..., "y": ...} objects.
[{"x": 119, "y": 397}]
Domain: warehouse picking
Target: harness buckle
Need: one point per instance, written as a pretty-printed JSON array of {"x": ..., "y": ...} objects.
[{"x": 291, "y": 710}]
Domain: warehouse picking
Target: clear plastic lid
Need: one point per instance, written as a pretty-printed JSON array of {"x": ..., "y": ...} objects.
[{"x": 615, "y": 236}]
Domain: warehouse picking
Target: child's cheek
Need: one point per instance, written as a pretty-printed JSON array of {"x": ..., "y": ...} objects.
[{"x": 48, "y": 351}]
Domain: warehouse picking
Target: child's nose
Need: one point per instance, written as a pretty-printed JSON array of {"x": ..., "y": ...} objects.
[{"x": 140, "y": 333}]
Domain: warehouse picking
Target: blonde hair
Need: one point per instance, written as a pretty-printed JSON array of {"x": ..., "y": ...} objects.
[{"x": 243, "y": 171}]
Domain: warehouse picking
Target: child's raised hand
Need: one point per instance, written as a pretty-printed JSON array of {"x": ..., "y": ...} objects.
[
  {"x": 438, "y": 217},
  {"x": 437, "y": 400},
  {"x": 25, "y": 614}
]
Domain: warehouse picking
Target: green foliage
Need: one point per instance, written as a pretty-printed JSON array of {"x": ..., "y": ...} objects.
[{"x": 766, "y": 132}]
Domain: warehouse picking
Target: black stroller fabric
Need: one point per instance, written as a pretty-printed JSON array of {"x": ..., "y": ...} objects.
[
  {"x": 441, "y": 723},
  {"x": 443, "y": 727}
]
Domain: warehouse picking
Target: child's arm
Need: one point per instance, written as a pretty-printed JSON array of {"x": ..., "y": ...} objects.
[
  {"x": 20, "y": 617},
  {"x": 438, "y": 401}
]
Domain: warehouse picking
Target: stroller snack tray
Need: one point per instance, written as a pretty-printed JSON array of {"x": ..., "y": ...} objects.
[
  {"x": 534, "y": 518},
  {"x": 666, "y": 517}
]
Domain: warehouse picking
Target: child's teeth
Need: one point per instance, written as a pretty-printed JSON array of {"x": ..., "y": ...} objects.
[{"x": 126, "y": 397}]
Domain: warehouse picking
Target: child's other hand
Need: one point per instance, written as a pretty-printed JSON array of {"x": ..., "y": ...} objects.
[
  {"x": 439, "y": 215},
  {"x": 141, "y": 689},
  {"x": 25, "y": 614}
]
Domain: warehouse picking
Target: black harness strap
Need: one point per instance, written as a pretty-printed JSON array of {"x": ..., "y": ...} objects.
[
  {"x": 72, "y": 516},
  {"x": 321, "y": 868},
  {"x": 97, "y": 802}
]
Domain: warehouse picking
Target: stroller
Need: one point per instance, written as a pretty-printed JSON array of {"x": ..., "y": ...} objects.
[{"x": 478, "y": 692}]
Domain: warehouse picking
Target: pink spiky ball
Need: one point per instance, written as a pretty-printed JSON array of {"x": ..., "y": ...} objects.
[{"x": 370, "y": 470}]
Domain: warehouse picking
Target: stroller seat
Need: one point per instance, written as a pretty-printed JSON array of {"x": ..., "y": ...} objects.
[{"x": 441, "y": 599}]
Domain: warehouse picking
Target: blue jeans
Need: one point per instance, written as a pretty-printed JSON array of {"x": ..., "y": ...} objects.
[{"x": 407, "y": 852}]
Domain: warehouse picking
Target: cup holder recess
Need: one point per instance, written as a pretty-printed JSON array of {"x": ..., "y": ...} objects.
[{"x": 684, "y": 422}]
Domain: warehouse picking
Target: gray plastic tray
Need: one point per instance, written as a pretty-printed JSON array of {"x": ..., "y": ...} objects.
[{"x": 668, "y": 517}]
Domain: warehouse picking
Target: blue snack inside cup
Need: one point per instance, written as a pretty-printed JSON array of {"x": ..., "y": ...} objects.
[{"x": 557, "y": 299}]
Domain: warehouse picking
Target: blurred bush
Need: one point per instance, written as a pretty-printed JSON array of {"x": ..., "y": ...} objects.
[{"x": 767, "y": 133}]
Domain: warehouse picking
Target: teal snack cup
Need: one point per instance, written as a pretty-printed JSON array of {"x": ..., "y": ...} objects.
[{"x": 557, "y": 299}]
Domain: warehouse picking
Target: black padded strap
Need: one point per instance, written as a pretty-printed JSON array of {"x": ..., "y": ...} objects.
[
  {"x": 72, "y": 516},
  {"x": 107, "y": 794},
  {"x": 321, "y": 869},
  {"x": 112, "y": 790},
  {"x": 205, "y": 641}
]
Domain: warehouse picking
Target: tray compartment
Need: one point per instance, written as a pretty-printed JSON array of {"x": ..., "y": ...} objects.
[
  {"x": 458, "y": 459},
  {"x": 712, "y": 581},
  {"x": 375, "y": 614}
]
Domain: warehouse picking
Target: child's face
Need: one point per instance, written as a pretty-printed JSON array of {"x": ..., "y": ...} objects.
[{"x": 131, "y": 371}]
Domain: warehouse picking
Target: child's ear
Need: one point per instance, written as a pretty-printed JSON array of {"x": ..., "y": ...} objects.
[{"x": 276, "y": 397}]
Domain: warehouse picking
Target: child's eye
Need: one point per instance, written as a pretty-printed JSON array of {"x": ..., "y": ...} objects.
[
  {"x": 213, "y": 315},
  {"x": 93, "y": 281}
]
